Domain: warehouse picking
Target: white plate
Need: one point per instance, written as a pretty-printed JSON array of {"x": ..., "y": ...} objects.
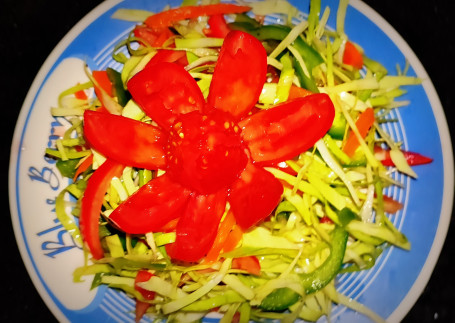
[{"x": 50, "y": 255}]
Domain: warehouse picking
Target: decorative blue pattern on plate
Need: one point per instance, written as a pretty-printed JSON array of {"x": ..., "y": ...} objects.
[{"x": 50, "y": 254}]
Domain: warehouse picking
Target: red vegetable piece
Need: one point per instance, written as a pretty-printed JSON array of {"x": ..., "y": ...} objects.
[
  {"x": 141, "y": 309},
  {"x": 352, "y": 56},
  {"x": 206, "y": 152},
  {"x": 254, "y": 196},
  {"x": 128, "y": 141},
  {"x": 218, "y": 27},
  {"x": 363, "y": 123},
  {"x": 412, "y": 158},
  {"x": 391, "y": 205},
  {"x": 286, "y": 130},
  {"x": 164, "y": 91},
  {"x": 170, "y": 56},
  {"x": 239, "y": 74},
  {"x": 151, "y": 207},
  {"x": 143, "y": 276},
  {"x": 198, "y": 226},
  {"x": 91, "y": 204},
  {"x": 249, "y": 263},
  {"x": 154, "y": 37},
  {"x": 169, "y": 17}
]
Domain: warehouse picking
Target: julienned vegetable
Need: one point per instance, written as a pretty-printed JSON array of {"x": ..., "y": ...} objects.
[{"x": 238, "y": 178}]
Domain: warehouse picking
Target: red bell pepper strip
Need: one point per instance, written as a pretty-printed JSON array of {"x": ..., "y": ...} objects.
[
  {"x": 254, "y": 196},
  {"x": 151, "y": 207},
  {"x": 249, "y": 263},
  {"x": 81, "y": 95},
  {"x": 413, "y": 158},
  {"x": 91, "y": 204},
  {"x": 170, "y": 56},
  {"x": 298, "y": 92},
  {"x": 218, "y": 27},
  {"x": 363, "y": 123},
  {"x": 153, "y": 37},
  {"x": 141, "y": 307},
  {"x": 103, "y": 81},
  {"x": 233, "y": 239},
  {"x": 154, "y": 89},
  {"x": 390, "y": 205},
  {"x": 114, "y": 135},
  {"x": 223, "y": 232},
  {"x": 352, "y": 56},
  {"x": 287, "y": 129},
  {"x": 83, "y": 166},
  {"x": 239, "y": 74},
  {"x": 198, "y": 226},
  {"x": 169, "y": 17}
]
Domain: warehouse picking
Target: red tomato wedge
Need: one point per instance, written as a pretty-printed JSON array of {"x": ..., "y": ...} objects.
[
  {"x": 239, "y": 74},
  {"x": 91, "y": 204},
  {"x": 165, "y": 91},
  {"x": 169, "y": 17},
  {"x": 286, "y": 130},
  {"x": 198, "y": 226},
  {"x": 151, "y": 207},
  {"x": 143, "y": 276},
  {"x": 130, "y": 142},
  {"x": 254, "y": 196}
]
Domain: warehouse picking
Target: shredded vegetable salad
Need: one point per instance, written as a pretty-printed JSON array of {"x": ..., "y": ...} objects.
[{"x": 232, "y": 166}]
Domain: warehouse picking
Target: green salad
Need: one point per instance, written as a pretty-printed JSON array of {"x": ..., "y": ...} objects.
[{"x": 234, "y": 164}]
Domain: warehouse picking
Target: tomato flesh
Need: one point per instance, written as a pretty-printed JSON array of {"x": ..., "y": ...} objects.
[{"x": 205, "y": 151}]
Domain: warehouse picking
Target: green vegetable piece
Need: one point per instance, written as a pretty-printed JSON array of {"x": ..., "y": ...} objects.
[
  {"x": 338, "y": 127},
  {"x": 119, "y": 91},
  {"x": 321, "y": 276},
  {"x": 278, "y": 32},
  {"x": 345, "y": 216},
  {"x": 67, "y": 167},
  {"x": 279, "y": 300}
]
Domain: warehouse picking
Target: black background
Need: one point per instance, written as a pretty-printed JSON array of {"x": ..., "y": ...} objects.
[{"x": 30, "y": 29}]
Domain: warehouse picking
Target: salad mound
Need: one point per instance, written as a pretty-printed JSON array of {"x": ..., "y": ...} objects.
[{"x": 232, "y": 166}]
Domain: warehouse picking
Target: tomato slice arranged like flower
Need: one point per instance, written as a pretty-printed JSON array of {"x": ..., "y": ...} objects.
[{"x": 214, "y": 151}]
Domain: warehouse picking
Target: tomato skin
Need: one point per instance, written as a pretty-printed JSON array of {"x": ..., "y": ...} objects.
[
  {"x": 128, "y": 141},
  {"x": 198, "y": 226},
  {"x": 286, "y": 130},
  {"x": 239, "y": 74},
  {"x": 164, "y": 91},
  {"x": 205, "y": 151},
  {"x": 254, "y": 196},
  {"x": 91, "y": 204},
  {"x": 151, "y": 207}
]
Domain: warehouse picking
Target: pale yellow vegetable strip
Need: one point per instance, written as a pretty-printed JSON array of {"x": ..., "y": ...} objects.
[
  {"x": 299, "y": 204},
  {"x": 303, "y": 185},
  {"x": 234, "y": 282},
  {"x": 215, "y": 280},
  {"x": 333, "y": 164},
  {"x": 293, "y": 34}
]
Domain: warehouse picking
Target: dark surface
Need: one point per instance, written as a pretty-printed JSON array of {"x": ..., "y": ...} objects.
[{"x": 31, "y": 29}]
